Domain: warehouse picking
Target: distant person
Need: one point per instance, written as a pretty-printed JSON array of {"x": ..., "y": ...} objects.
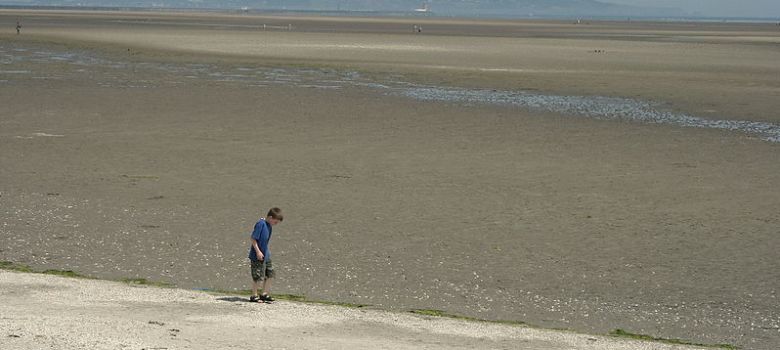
[
  {"x": 260, "y": 255},
  {"x": 18, "y": 27}
]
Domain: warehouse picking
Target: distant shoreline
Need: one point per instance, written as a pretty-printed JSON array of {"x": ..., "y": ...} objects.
[{"x": 366, "y": 13}]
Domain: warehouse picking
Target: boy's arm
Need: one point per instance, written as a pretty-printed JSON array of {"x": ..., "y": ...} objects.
[
  {"x": 264, "y": 238},
  {"x": 259, "y": 253},
  {"x": 257, "y": 234}
]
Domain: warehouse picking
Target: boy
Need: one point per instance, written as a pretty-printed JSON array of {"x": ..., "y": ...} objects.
[{"x": 260, "y": 255}]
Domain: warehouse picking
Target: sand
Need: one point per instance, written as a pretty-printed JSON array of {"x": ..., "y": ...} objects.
[
  {"x": 48, "y": 311},
  {"x": 716, "y": 70},
  {"x": 151, "y": 154}
]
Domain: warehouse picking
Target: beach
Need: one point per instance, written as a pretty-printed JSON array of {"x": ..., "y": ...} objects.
[
  {"x": 81, "y": 314},
  {"x": 592, "y": 177}
]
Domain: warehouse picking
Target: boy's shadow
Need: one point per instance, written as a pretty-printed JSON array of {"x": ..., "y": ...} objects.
[{"x": 233, "y": 299}]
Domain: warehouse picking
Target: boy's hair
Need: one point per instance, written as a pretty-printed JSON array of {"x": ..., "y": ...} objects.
[{"x": 275, "y": 213}]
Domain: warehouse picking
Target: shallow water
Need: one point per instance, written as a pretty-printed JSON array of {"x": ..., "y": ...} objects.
[{"x": 598, "y": 107}]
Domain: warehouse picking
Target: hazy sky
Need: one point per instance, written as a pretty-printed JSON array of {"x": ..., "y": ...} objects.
[
  {"x": 719, "y": 8},
  {"x": 711, "y": 8}
]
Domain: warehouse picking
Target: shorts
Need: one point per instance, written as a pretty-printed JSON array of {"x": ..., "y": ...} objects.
[{"x": 262, "y": 269}]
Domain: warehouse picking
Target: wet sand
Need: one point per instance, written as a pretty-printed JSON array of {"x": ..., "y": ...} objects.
[
  {"x": 150, "y": 155},
  {"x": 712, "y": 69}
]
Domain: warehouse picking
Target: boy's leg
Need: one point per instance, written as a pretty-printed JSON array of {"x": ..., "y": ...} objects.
[
  {"x": 255, "y": 287},
  {"x": 267, "y": 286},
  {"x": 269, "y": 275},
  {"x": 256, "y": 278}
]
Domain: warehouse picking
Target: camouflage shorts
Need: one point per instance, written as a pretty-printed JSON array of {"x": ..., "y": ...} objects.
[{"x": 262, "y": 270}]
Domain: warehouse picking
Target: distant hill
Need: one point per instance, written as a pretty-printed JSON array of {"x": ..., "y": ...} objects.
[
  {"x": 501, "y": 8},
  {"x": 569, "y": 8}
]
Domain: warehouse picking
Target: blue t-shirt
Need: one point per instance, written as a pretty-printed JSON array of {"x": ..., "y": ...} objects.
[{"x": 261, "y": 234}]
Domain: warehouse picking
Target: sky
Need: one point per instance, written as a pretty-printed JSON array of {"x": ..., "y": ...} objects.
[{"x": 715, "y": 8}]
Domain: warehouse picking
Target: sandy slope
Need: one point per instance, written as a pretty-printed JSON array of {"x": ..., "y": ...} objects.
[{"x": 40, "y": 311}]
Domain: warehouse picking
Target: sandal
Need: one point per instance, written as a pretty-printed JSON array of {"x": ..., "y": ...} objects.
[
  {"x": 267, "y": 298},
  {"x": 255, "y": 299}
]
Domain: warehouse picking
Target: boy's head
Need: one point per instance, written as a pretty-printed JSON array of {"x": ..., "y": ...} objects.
[{"x": 274, "y": 216}]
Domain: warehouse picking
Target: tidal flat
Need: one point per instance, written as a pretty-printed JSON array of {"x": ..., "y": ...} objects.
[{"x": 417, "y": 172}]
